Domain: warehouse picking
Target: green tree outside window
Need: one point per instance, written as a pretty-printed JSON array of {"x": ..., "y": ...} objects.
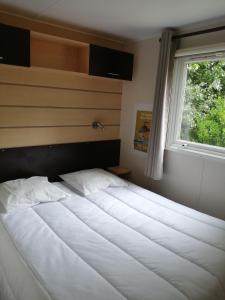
[{"x": 203, "y": 119}]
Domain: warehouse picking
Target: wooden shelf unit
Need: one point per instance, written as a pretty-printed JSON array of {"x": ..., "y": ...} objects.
[{"x": 58, "y": 53}]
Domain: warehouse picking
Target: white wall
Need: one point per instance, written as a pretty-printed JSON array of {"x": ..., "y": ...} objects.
[
  {"x": 139, "y": 91},
  {"x": 195, "y": 181}
]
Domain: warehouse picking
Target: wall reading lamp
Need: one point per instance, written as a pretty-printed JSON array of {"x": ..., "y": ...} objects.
[{"x": 97, "y": 125}]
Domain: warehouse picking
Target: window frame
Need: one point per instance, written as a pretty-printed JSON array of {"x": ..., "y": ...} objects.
[{"x": 177, "y": 103}]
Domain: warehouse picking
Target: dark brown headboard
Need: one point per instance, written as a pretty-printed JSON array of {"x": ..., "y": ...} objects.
[{"x": 53, "y": 160}]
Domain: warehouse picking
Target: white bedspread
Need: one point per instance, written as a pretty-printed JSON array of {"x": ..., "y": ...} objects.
[{"x": 121, "y": 243}]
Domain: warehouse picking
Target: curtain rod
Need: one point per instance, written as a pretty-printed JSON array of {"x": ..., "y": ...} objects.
[{"x": 180, "y": 36}]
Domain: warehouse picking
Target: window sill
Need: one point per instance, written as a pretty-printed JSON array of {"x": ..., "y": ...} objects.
[{"x": 196, "y": 152}]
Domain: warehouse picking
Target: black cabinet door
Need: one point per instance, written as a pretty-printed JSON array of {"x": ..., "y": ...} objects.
[
  {"x": 111, "y": 63},
  {"x": 14, "y": 46}
]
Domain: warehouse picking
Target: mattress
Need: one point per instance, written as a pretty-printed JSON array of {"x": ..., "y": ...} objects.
[{"x": 120, "y": 243}]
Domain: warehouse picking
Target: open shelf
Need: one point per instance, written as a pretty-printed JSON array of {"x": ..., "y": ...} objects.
[{"x": 53, "y": 52}]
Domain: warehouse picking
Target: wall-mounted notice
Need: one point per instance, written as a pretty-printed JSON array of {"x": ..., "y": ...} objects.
[{"x": 142, "y": 130}]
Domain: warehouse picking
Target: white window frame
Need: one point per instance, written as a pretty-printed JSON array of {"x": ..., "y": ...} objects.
[{"x": 177, "y": 103}]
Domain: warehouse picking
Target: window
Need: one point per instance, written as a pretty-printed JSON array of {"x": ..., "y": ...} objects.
[{"x": 197, "y": 111}]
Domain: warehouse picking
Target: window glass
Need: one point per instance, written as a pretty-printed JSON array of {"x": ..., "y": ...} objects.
[{"x": 203, "y": 113}]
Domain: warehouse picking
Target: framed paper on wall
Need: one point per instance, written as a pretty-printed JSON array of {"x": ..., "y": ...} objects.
[{"x": 142, "y": 130}]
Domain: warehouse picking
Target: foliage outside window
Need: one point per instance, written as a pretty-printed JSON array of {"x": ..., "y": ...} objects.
[{"x": 198, "y": 103}]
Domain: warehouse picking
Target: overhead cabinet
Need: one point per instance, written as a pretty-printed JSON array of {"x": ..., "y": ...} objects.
[
  {"x": 14, "y": 46},
  {"x": 110, "y": 63},
  {"x": 24, "y": 48}
]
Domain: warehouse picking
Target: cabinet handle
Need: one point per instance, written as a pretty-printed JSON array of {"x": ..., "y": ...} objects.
[{"x": 113, "y": 74}]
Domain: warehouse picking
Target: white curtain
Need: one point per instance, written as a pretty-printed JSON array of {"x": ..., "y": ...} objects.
[{"x": 157, "y": 140}]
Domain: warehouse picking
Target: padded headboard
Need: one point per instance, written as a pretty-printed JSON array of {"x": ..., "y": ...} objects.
[{"x": 53, "y": 160}]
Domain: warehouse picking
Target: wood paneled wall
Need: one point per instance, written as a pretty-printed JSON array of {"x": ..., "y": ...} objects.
[
  {"x": 55, "y": 29},
  {"x": 42, "y": 106}
]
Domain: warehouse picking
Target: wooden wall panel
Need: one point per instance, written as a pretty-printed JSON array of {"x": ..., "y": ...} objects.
[
  {"x": 35, "y": 76},
  {"x": 76, "y": 34},
  {"x": 19, "y": 137},
  {"x": 41, "y": 106},
  {"x": 22, "y": 95},
  {"x": 34, "y": 117}
]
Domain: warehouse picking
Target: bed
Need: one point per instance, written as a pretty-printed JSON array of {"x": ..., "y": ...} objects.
[{"x": 119, "y": 243}]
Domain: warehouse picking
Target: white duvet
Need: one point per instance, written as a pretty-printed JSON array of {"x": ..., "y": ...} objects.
[{"x": 121, "y": 243}]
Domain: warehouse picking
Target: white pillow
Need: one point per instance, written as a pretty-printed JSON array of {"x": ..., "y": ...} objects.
[
  {"x": 113, "y": 179},
  {"x": 92, "y": 180},
  {"x": 23, "y": 193},
  {"x": 12, "y": 193},
  {"x": 46, "y": 192}
]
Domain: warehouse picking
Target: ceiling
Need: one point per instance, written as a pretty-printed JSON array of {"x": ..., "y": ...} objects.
[{"x": 131, "y": 19}]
